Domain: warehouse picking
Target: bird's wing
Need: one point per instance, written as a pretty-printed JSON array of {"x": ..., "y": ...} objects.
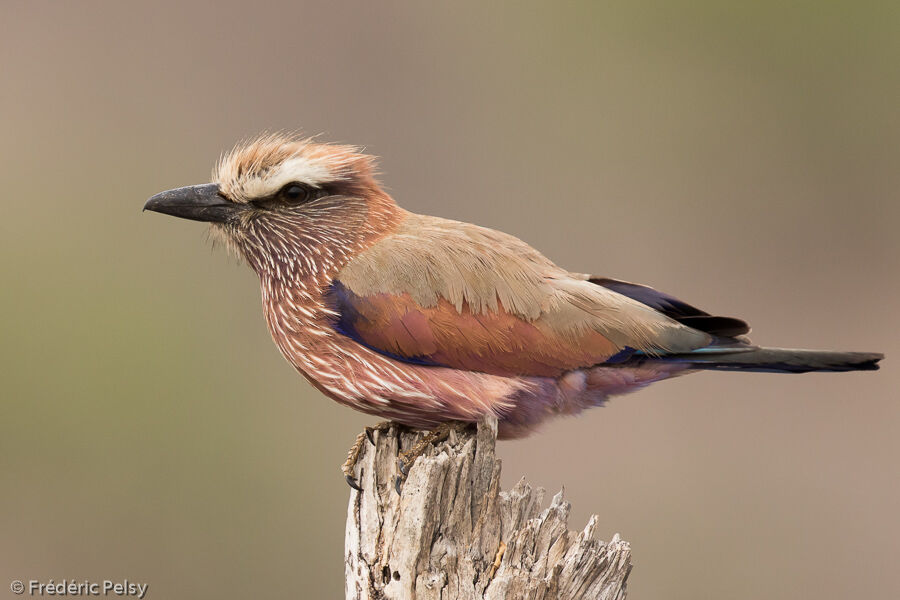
[
  {"x": 439, "y": 292},
  {"x": 684, "y": 313}
]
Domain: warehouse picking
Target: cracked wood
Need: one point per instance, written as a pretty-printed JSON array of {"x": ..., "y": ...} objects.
[{"x": 452, "y": 534}]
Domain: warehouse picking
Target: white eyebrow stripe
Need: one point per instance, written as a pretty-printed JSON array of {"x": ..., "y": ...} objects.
[{"x": 302, "y": 169}]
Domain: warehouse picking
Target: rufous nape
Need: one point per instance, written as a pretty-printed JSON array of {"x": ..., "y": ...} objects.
[{"x": 424, "y": 321}]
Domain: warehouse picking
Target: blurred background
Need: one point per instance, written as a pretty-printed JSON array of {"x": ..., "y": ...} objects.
[{"x": 742, "y": 156}]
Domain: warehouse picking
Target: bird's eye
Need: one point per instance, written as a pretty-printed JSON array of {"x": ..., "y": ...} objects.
[{"x": 294, "y": 192}]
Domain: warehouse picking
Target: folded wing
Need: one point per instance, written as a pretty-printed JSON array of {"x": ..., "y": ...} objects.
[{"x": 455, "y": 295}]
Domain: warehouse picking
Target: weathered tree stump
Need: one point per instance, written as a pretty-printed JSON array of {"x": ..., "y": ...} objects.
[{"x": 452, "y": 534}]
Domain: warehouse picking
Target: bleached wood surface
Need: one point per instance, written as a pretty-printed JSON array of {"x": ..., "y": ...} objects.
[{"x": 440, "y": 538}]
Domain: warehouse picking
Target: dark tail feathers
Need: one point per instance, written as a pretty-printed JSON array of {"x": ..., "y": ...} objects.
[{"x": 777, "y": 360}]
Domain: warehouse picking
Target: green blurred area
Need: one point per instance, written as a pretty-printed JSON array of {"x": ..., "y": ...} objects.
[{"x": 743, "y": 156}]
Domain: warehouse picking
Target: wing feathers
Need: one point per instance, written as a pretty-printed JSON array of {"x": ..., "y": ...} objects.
[
  {"x": 446, "y": 293},
  {"x": 498, "y": 343},
  {"x": 675, "y": 308}
]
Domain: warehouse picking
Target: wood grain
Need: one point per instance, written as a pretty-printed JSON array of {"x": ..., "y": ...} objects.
[{"x": 441, "y": 538}]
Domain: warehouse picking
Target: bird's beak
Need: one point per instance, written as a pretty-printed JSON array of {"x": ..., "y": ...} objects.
[{"x": 195, "y": 202}]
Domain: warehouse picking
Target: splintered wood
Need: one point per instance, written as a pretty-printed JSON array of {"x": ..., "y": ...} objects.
[{"x": 452, "y": 534}]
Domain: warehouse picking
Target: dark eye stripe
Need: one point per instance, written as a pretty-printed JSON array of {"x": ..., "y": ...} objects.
[{"x": 291, "y": 194}]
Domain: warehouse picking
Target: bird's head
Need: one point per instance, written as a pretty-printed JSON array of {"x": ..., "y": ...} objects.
[{"x": 285, "y": 203}]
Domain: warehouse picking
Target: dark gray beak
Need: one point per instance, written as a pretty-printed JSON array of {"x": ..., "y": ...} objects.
[{"x": 195, "y": 202}]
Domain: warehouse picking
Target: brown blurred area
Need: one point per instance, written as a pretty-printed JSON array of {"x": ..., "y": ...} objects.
[{"x": 742, "y": 156}]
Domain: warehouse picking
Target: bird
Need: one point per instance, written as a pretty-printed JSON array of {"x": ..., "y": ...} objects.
[{"x": 425, "y": 321}]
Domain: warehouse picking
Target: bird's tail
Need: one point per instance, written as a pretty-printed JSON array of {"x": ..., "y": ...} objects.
[{"x": 773, "y": 360}]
